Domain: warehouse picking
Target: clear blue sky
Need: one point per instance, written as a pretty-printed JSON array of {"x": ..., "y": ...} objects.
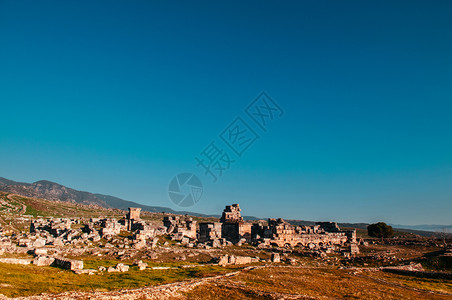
[{"x": 117, "y": 97}]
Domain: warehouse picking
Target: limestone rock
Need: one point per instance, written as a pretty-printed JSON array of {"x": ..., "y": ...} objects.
[
  {"x": 43, "y": 261},
  {"x": 276, "y": 258}
]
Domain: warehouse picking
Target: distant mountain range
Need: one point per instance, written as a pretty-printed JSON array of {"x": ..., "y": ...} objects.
[
  {"x": 433, "y": 228},
  {"x": 53, "y": 191}
]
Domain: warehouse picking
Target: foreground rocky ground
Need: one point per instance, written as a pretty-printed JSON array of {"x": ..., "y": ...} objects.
[
  {"x": 282, "y": 282},
  {"x": 77, "y": 257}
]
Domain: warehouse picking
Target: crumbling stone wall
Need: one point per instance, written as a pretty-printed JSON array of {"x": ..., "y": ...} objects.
[
  {"x": 234, "y": 228},
  {"x": 184, "y": 226},
  {"x": 236, "y": 260},
  {"x": 69, "y": 264},
  {"x": 231, "y": 214},
  {"x": 110, "y": 227},
  {"x": 209, "y": 231},
  {"x": 279, "y": 232},
  {"x": 132, "y": 216}
]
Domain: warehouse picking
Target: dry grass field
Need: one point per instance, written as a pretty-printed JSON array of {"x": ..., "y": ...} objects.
[
  {"x": 321, "y": 283},
  {"x": 299, "y": 275}
]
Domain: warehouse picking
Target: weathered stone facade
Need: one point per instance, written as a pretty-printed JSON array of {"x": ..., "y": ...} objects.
[
  {"x": 209, "y": 231},
  {"x": 234, "y": 228},
  {"x": 183, "y": 226},
  {"x": 110, "y": 227},
  {"x": 236, "y": 260},
  {"x": 132, "y": 216},
  {"x": 69, "y": 264},
  {"x": 282, "y": 234}
]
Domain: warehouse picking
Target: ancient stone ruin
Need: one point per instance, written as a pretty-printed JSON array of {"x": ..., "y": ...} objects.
[
  {"x": 209, "y": 231},
  {"x": 184, "y": 226},
  {"x": 233, "y": 229},
  {"x": 132, "y": 216},
  {"x": 282, "y": 234},
  {"x": 49, "y": 240}
]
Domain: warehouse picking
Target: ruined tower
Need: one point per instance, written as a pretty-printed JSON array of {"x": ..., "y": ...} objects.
[
  {"x": 234, "y": 228},
  {"x": 132, "y": 215},
  {"x": 231, "y": 214}
]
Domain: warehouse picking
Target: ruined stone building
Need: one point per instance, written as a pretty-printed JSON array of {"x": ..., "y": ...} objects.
[
  {"x": 55, "y": 226},
  {"x": 132, "y": 216},
  {"x": 209, "y": 231},
  {"x": 280, "y": 233},
  {"x": 183, "y": 226},
  {"x": 231, "y": 228},
  {"x": 234, "y": 228},
  {"x": 109, "y": 227}
]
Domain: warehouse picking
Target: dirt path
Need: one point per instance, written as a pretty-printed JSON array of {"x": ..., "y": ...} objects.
[{"x": 24, "y": 207}]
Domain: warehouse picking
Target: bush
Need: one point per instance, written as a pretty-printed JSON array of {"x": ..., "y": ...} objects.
[{"x": 380, "y": 230}]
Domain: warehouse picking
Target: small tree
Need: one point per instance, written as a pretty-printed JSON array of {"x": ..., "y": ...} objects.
[{"x": 380, "y": 230}]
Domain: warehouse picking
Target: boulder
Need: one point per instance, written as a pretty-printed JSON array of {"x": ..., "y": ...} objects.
[
  {"x": 39, "y": 243},
  {"x": 142, "y": 265},
  {"x": 58, "y": 242},
  {"x": 43, "y": 261},
  {"x": 40, "y": 251},
  {"x": 276, "y": 258},
  {"x": 70, "y": 264},
  {"x": 122, "y": 268},
  {"x": 224, "y": 260},
  {"x": 16, "y": 261}
]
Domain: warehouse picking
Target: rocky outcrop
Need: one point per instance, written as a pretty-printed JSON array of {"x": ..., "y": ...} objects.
[
  {"x": 236, "y": 260},
  {"x": 69, "y": 264}
]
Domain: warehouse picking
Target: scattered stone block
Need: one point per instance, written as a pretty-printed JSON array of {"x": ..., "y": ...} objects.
[
  {"x": 43, "y": 261},
  {"x": 236, "y": 260},
  {"x": 24, "y": 243},
  {"x": 142, "y": 265},
  {"x": 40, "y": 251},
  {"x": 39, "y": 243},
  {"x": 58, "y": 242},
  {"x": 139, "y": 244},
  {"x": 69, "y": 264},
  {"x": 16, "y": 261},
  {"x": 122, "y": 268},
  {"x": 85, "y": 271}
]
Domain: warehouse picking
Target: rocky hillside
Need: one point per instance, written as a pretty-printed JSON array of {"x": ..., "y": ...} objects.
[
  {"x": 53, "y": 191},
  {"x": 56, "y": 192},
  {"x": 50, "y": 191}
]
